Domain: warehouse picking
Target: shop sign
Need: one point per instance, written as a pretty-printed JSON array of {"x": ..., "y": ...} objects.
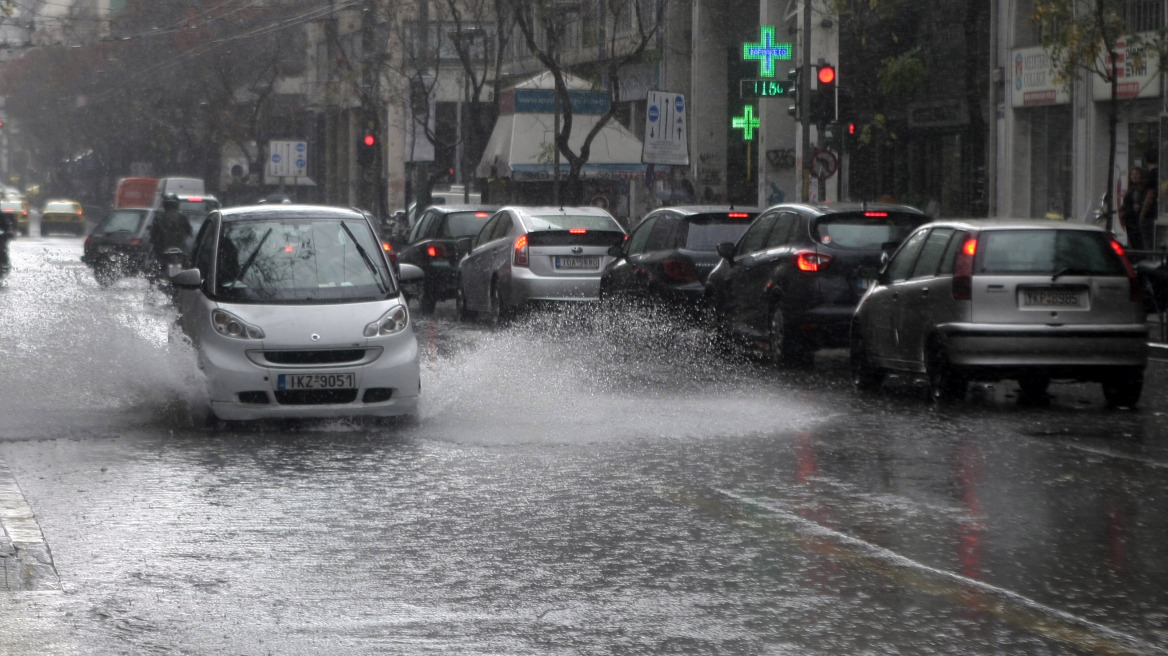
[
  {"x": 1034, "y": 81},
  {"x": 1137, "y": 70}
]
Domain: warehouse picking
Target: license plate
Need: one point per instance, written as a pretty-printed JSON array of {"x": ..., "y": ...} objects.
[
  {"x": 1052, "y": 298},
  {"x": 315, "y": 381},
  {"x": 105, "y": 249},
  {"x": 577, "y": 262}
]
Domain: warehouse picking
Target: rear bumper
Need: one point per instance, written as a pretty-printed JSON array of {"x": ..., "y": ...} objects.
[
  {"x": 526, "y": 286},
  {"x": 1051, "y": 347}
]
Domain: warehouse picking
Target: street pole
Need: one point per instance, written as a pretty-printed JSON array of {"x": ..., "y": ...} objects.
[{"x": 805, "y": 103}]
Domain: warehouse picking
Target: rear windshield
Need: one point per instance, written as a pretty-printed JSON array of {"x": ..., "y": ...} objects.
[
  {"x": 122, "y": 221},
  {"x": 462, "y": 224},
  {"x": 568, "y": 222},
  {"x": 68, "y": 208},
  {"x": 705, "y": 231},
  {"x": 300, "y": 261},
  {"x": 1047, "y": 252},
  {"x": 865, "y": 230}
]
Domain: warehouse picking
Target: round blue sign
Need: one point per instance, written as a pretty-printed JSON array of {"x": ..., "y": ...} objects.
[
  {"x": 301, "y": 146},
  {"x": 680, "y": 104},
  {"x": 654, "y": 113},
  {"x": 300, "y": 163},
  {"x": 276, "y": 158}
]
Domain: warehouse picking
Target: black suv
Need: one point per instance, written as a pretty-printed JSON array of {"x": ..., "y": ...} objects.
[
  {"x": 794, "y": 279},
  {"x": 668, "y": 256},
  {"x": 431, "y": 246}
]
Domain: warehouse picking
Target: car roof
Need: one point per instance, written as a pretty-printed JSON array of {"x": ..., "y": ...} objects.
[
  {"x": 563, "y": 210},
  {"x": 447, "y": 209},
  {"x": 289, "y": 211},
  {"x": 1017, "y": 224},
  {"x": 707, "y": 209},
  {"x": 841, "y": 208}
]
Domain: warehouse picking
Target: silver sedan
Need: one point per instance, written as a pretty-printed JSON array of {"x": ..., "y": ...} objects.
[{"x": 525, "y": 254}]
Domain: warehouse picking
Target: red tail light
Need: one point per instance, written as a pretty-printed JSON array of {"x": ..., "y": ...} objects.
[
  {"x": 481, "y": 215},
  {"x": 682, "y": 270},
  {"x": 577, "y": 231},
  {"x": 195, "y": 199},
  {"x": 135, "y": 241},
  {"x": 876, "y": 215},
  {"x": 963, "y": 271},
  {"x": 520, "y": 259},
  {"x": 811, "y": 261},
  {"x": 78, "y": 212},
  {"x": 388, "y": 248},
  {"x": 436, "y": 250},
  {"x": 738, "y": 215},
  {"x": 1132, "y": 279}
]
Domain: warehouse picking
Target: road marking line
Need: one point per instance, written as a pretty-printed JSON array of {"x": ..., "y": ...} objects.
[{"x": 1006, "y": 604}]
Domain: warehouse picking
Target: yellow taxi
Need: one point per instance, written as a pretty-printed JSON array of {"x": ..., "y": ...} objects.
[
  {"x": 18, "y": 209},
  {"x": 62, "y": 216}
]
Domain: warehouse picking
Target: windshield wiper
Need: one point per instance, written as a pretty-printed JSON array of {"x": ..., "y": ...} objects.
[
  {"x": 251, "y": 258},
  {"x": 1068, "y": 271},
  {"x": 368, "y": 260}
]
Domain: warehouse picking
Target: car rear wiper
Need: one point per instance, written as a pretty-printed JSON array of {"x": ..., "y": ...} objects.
[
  {"x": 251, "y": 258},
  {"x": 368, "y": 260},
  {"x": 1067, "y": 271}
]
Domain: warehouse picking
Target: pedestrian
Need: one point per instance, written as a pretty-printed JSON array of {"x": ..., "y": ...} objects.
[
  {"x": 1129, "y": 208},
  {"x": 1150, "y": 210}
]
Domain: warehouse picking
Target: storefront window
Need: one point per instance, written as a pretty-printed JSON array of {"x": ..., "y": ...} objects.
[{"x": 1050, "y": 162}]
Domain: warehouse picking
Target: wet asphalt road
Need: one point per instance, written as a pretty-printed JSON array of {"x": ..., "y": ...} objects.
[{"x": 578, "y": 483}]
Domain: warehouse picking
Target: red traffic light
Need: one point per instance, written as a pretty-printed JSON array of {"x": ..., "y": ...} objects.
[
  {"x": 370, "y": 140},
  {"x": 851, "y": 128},
  {"x": 826, "y": 74}
]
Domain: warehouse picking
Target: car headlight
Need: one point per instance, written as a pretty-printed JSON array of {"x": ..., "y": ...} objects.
[
  {"x": 229, "y": 325},
  {"x": 390, "y": 323}
]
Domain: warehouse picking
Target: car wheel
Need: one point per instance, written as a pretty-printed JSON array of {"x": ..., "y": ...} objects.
[
  {"x": 946, "y": 382},
  {"x": 866, "y": 377},
  {"x": 463, "y": 312},
  {"x": 1124, "y": 387},
  {"x": 1033, "y": 386},
  {"x": 786, "y": 347},
  {"x": 498, "y": 314},
  {"x": 426, "y": 300}
]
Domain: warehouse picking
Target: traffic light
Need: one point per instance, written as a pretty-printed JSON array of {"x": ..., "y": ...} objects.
[
  {"x": 794, "y": 75},
  {"x": 824, "y": 96},
  {"x": 367, "y": 148}
]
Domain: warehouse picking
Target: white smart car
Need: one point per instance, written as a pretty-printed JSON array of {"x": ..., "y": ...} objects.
[{"x": 296, "y": 312}]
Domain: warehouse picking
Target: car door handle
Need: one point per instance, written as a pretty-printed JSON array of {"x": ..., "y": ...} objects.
[{"x": 925, "y": 292}]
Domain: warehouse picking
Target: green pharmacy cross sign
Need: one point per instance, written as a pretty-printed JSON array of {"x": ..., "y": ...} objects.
[
  {"x": 748, "y": 123},
  {"x": 766, "y": 51}
]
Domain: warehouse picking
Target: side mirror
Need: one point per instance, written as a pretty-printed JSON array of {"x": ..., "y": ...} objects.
[
  {"x": 187, "y": 279},
  {"x": 727, "y": 250},
  {"x": 462, "y": 247},
  {"x": 408, "y": 272},
  {"x": 886, "y": 251}
]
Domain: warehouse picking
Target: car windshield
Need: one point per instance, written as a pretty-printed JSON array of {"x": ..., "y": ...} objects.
[
  {"x": 463, "y": 224},
  {"x": 1047, "y": 252},
  {"x": 866, "y": 230},
  {"x": 705, "y": 232},
  {"x": 569, "y": 222},
  {"x": 122, "y": 221},
  {"x": 300, "y": 260}
]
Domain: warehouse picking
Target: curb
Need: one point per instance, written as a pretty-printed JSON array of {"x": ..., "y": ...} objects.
[{"x": 25, "y": 560}]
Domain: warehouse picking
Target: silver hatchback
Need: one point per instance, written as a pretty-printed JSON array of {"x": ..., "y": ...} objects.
[
  {"x": 525, "y": 254},
  {"x": 1004, "y": 299}
]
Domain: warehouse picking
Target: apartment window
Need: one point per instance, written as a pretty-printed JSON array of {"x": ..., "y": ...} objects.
[
  {"x": 621, "y": 12},
  {"x": 1144, "y": 15}
]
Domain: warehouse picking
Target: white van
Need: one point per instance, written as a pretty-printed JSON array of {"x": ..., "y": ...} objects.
[{"x": 179, "y": 187}]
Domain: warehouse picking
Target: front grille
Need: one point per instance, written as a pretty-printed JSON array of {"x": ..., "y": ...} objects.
[
  {"x": 315, "y": 397},
  {"x": 331, "y": 356}
]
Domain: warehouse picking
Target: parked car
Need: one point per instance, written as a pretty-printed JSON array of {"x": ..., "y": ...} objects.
[
  {"x": 296, "y": 312},
  {"x": 671, "y": 252},
  {"x": 62, "y": 216},
  {"x": 17, "y": 210},
  {"x": 431, "y": 247},
  {"x": 526, "y": 254},
  {"x": 792, "y": 281},
  {"x": 1005, "y": 299},
  {"x": 119, "y": 246}
]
